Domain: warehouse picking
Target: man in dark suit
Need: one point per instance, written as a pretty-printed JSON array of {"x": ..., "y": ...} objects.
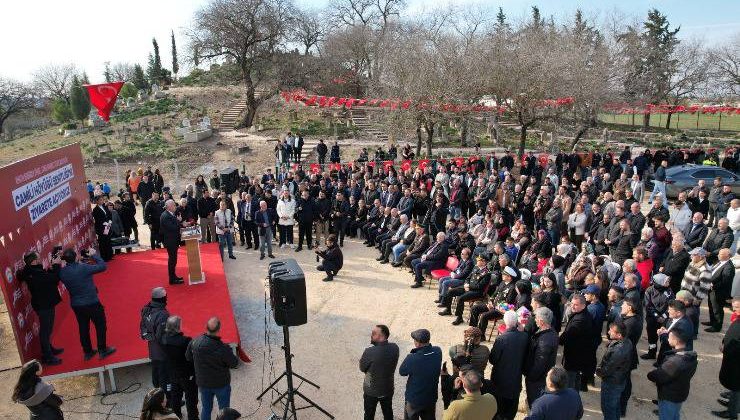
[
  {"x": 169, "y": 225},
  {"x": 577, "y": 341},
  {"x": 305, "y": 215},
  {"x": 696, "y": 232},
  {"x": 103, "y": 222},
  {"x": 723, "y": 273},
  {"x": 507, "y": 358},
  {"x": 679, "y": 322},
  {"x": 433, "y": 258},
  {"x": 265, "y": 219}
]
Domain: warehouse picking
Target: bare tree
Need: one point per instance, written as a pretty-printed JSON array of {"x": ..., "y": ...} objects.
[
  {"x": 726, "y": 65},
  {"x": 309, "y": 30},
  {"x": 14, "y": 98},
  {"x": 249, "y": 32},
  {"x": 55, "y": 80},
  {"x": 690, "y": 74},
  {"x": 122, "y": 71}
]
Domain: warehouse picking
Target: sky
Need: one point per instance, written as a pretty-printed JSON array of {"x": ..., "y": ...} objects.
[{"x": 88, "y": 33}]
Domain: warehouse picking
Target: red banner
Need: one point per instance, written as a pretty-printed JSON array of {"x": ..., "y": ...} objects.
[
  {"x": 387, "y": 164},
  {"x": 459, "y": 161},
  {"x": 45, "y": 204},
  {"x": 103, "y": 97},
  {"x": 406, "y": 165},
  {"x": 335, "y": 166},
  {"x": 315, "y": 168},
  {"x": 423, "y": 164}
]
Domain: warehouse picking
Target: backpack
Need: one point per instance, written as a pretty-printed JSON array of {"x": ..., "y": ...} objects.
[{"x": 148, "y": 324}]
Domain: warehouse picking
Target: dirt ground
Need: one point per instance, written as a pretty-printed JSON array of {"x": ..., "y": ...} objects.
[{"x": 327, "y": 349}]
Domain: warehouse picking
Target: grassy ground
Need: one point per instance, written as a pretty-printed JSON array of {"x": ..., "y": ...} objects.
[{"x": 680, "y": 121}]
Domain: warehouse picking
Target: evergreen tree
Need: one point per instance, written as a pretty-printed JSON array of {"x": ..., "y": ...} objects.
[
  {"x": 79, "y": 102},
  {"x": 107, "y": 73},
  {"x": 154, "y": 69},
  {"x": 61, "y": 111},
  {"x": 537, "y": 21},
  {"x": 650, "y": 60},
  {"x": 85, "y": 80},
  {"x": 139, "y": 80},
  {"x": 175, "y": 65}
]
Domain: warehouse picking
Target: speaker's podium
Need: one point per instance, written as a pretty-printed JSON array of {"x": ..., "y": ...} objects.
[{"x": 191, "y": 236}]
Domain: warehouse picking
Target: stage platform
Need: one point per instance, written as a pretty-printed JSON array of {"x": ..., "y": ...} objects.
[{"x": 124, "y": 288}]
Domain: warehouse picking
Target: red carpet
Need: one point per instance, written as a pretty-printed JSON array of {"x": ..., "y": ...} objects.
[{"x": 125, "y": 287}]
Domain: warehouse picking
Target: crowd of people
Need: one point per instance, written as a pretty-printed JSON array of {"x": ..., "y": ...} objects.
[{"x": 541, "y": 254}]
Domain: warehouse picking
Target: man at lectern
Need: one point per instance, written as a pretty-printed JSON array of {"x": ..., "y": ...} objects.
[{"x": 169, "y": 226}]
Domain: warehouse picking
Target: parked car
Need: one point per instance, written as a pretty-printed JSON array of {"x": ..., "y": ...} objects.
[{"x": 684, "y": 177}]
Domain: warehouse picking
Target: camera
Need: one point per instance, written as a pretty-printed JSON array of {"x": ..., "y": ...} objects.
[{"x": 84, "y": 253}]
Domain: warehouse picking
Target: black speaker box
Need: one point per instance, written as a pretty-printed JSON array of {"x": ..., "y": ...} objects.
[
  {"x": 230, "y": 180},
  {"x": 288, "y": 293}
]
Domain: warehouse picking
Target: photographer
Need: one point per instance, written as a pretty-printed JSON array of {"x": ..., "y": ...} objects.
[
  {"x": 42, "y": 283},
  {"x": 333, "y": 258},
  {"x": 474, "y": 352},
  {"x": 77, "y": 276}
]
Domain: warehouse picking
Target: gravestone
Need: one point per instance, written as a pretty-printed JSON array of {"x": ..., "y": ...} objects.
[
  {"x": 94, "y": 119},
  {"x": 130, "y": 102}
]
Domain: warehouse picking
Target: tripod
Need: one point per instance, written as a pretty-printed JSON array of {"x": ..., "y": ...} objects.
[{"x": 289, "y": 411}]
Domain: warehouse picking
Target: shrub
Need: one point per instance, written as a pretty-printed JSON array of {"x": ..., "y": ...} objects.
[
  {"x": 60, "y": 111},
  {"x": 128, "y": 91}
]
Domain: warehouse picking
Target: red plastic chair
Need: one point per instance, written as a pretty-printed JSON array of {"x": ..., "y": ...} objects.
[{"x": 450, "y": 266}]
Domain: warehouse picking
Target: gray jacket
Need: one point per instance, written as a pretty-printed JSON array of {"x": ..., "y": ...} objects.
[{"x": 378, "y": 362}]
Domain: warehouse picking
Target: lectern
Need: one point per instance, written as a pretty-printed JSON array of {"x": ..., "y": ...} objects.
[{"x": 191, "y": 236}]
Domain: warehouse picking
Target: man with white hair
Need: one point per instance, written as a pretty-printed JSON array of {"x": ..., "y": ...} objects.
[
  {"x": 506, "y": 358},
  {"x": 265, "y": 219},
  {"x": 169, "y": 226}
]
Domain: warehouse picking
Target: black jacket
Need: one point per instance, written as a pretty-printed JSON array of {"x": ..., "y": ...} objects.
[
  {"x": 154, "y": 315},
  {"x": 43, "y": 286},
  {"x": 542, "y": 354},
  {"x": 100, "y": 217},
  {"x": 673, "y": 376},
  {"x": 169, "y": 226},
  {"x": 152, "y": 212},
  {"x": 128, "y": 214},
  {"x": 206, "y": 206},
  {"x": 577, "y": 341},
  {"x": 42, "y": 402},
  {"x": 378, "y": 363},
  {"x": 212, "y": 360},
  {"x": 674, "y": 266},
  {"x": 633, "y": 326},
  {"x": 722, "y": 281},
  {"x": 144, "y": 191},
  {"x": 507, "y": 357},
  {"x": 179, "y": 368},
  {"x": 438, "y": 254},
  {"x": 729, "y": 373},
  {"x": 305, "y": 210},
  {"x": 616, "y": 363},
  {"x": 333, "y": 258},
  {"x": 694, "y": 236}
]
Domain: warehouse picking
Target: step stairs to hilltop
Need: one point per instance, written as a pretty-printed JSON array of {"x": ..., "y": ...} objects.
[
  {"x": 361, "y": 121},
  {"x": 229, "y": 118}
]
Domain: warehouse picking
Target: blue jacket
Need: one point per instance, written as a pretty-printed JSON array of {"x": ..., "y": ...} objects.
[
  {"x": 422, "y": 366},
  {"x": 561, "y": 405},
  {"x": 78, "y": 279}
]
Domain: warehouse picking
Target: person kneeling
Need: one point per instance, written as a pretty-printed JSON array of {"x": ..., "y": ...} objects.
[{"x": 332, "y": 256}]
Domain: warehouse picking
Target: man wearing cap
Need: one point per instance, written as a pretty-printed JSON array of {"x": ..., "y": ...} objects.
[
  {"x": 698, "y": 278},
  {"x": 507, "y": 358},
  {"x": 475, "y": 287},
  {"x": 475, "y": 353},
  {"x": 657, "y": 297},
  {"x": 505, "y": 294},
  {"x": 422, "y": 366},
  {"x": 153, "y": 320}
]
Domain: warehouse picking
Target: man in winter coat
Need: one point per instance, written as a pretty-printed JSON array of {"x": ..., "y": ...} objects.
[
  {"x": 507, "y": 358},
  {"x": 541, "y": 356},
  {"x": 673, "y": 375},
  {"x": 378, "y": 363},
  {"x": 729, "y": 372},
  {"x": 657, "y": 297},
  {"x": 212, "y": 360},
  {"x": 559, "y": 402},
  {"x": 43, "y": 285},
  {"x": 422, "y": 366},
  {"x": 153, "y": 319},
  {"x": 181, "y": 371},
  {"x": 614, "y": 370},
  {"x": 674, "y": 265},
  {"x": 577, "y": 341},
  {"x": 723, "y": 273},
  {"x": 632, "y": 321}
]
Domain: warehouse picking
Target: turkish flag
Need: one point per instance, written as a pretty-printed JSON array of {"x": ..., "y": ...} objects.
[
  {"x": 406, "y": 165},
  {"x": 315, "y": 168},
  {"x": 473, "y": 159},
  {"x": 335, "y": 166},
  {"x": 459, "y": 161},
  {"x": 103, "y": 97},
  {"x": 371, "y": 164},
  {"x": 543, "y": 159},
  {"x": 387, "y": 164},
  {"x": 423, "y": 163}
]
